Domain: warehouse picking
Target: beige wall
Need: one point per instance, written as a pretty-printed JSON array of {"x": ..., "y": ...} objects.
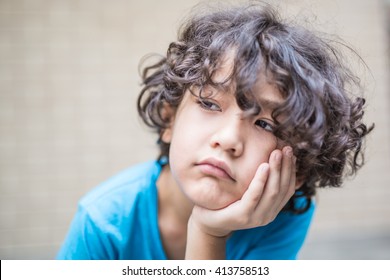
[{"x": 68, "y": 85}]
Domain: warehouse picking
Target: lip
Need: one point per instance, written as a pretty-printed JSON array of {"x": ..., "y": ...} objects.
[{"x": 217, "y": 168}]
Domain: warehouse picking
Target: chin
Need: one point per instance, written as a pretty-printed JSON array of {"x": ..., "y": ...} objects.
[
  {"x": 209, "y": 194},
  {"x": 213, "y": 204}
]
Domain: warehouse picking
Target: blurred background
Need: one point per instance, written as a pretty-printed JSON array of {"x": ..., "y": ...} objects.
[{"x": 68, "y": 87}]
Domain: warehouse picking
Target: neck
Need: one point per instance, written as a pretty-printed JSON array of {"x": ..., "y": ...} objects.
[
  {"x": 174, "y": 210},
  {"x": 172, "y": 200}
]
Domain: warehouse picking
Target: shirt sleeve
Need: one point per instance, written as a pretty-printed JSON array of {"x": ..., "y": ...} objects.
[
  {"x": 283, "y": 238},
  {"x": 85, "y": 240}
]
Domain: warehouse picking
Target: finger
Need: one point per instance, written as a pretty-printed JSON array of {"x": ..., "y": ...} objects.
[
  {"x": 246, "y": 205},
  {"x": 292, "y": 187},
  {"x": 271, "y": 191},
  {"x": 287, "y": 165},
  {"x": 287, "y": 172},
  {"x": 278, "y": 188},
  {"x": 255, "y": 191},
  {"x": 285, "y": 176}
]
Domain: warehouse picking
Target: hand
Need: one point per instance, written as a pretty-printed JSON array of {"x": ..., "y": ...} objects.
[{"x": 270, "y": 189}]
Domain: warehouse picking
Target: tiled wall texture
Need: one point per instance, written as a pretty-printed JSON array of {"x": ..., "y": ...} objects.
[{"x": 68, "y": 85}]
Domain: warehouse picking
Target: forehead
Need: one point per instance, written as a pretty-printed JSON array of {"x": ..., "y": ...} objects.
[
  {"x": 267, "y": 93},
  {"x": 264, "y": 91}
]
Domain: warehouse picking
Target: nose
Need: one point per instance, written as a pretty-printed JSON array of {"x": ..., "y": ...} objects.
[{"x": 229, "y": 137}]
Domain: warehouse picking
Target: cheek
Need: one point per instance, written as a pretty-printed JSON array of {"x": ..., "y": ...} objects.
[
  {"x": 183, "y": 145},
  {"x": 257, "y": 154},
  {"x": 187, "y": 129}
]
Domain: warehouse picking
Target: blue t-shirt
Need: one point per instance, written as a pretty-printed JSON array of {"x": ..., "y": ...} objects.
[{"x": 119, "y": 220}]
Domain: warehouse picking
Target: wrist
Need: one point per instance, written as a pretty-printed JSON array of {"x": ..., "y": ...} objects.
[
  {"x": 203, "y": 244},
  {"x": 208, "y": 231}
]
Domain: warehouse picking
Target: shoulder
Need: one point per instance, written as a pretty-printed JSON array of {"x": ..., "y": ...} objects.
[
  {"x": 111, "y": 216},
  {"x": 121, "y": 191},
  {"x": 280, "y": 239}
]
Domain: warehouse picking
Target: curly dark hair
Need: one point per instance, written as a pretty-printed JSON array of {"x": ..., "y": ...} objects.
[{"x": 323, "y": 108}]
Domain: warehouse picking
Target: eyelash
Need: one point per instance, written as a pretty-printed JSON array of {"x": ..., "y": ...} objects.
[
  {"x": 207, "y": 105},
  {"x": 265, "y": 125}
]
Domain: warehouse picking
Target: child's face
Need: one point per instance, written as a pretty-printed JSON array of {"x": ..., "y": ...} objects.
[{"x": 216, "y": 148}]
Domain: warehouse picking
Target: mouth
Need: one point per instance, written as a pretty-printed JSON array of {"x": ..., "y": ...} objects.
[{"x": 216, "y": 168}]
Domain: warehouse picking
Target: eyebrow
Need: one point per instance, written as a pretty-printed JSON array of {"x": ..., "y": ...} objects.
[
  {"x": 268, "y": 103},
  {"x": 262, "y": 105}
]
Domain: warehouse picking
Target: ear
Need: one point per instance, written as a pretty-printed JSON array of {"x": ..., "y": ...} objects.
[
  {"x": 168, "y": 116},
  {"x": 299, "y": 184},
  {"x": 166, "y": 135}
]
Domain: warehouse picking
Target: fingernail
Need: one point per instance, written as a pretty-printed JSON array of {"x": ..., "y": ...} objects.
[
  {"x": 278, "y": 156},
  {"x": 264, "y": 168},
  {"x": 288, "y": 152}
]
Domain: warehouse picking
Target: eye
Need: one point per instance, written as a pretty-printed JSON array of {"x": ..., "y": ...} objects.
[
  {"x": 265, "y": 125},
  {"x": 208, "y": 105}
]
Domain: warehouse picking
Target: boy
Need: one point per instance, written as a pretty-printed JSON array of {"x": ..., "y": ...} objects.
[{"x": 252, "y": 115}]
